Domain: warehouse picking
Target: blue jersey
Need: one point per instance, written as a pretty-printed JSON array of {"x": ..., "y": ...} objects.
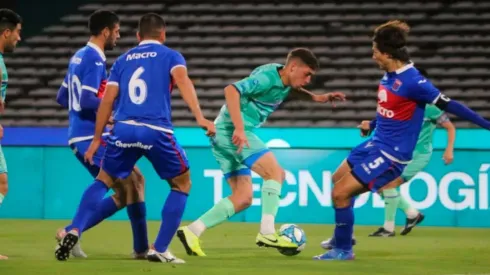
[
  {"x": 81, "y": 90},
  {"x": 143, "y": 75},
  {"x": 402, "y": 96}
]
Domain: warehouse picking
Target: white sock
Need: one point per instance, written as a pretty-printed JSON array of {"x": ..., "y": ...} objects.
[
  {"x": 411, "y": 213},
  {"x": 1, "y": 198},
  {"x": 390, "y": 226},
  {"x": 197, "y": 227},
  {"x": 267, "y": 224}
]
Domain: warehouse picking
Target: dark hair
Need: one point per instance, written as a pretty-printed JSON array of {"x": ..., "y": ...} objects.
[
  {"x": 9, "y": 20},
  {"x": 391, "y": 38},
  {"x": 100, "y": 20},
  {"x": 423, "y": 72},
  {"x": 306, "y": 56},
  {"x": 150, "y": 25}
]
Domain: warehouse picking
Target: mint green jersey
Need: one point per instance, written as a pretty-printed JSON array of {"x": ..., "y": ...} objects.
[
  {"x": 432, "y": 117},
  {"x": 5, "y": 78},
  {"x": 261, "y": 93}
]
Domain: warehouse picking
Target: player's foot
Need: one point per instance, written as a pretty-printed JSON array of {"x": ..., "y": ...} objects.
[
  {"x": 336, "y": 254},
  {"x": 411, "y": 223},
  {"x": 165, "y": 257},
  {"x": 330, "y": 243},
  {"x": 63, "y": 249},
  {"x": 274, "y": 240},
  {"x": 382, "y": 232},
  {"x": 77, "y": 251},
  {"x": 191, "y": 242},
  {"x": 2, "y": 257},
  {"x": 139, "y": 256}
]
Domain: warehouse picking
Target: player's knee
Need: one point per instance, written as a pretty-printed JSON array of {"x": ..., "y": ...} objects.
[
  {"x": 243, "y": 199},
  {"x": 340, "y": 198},
  {"x": 120, "y": 196},
  {"x": 274, "y": 173}
]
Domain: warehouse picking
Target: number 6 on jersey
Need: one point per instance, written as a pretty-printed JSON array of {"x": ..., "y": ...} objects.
[{"x": 136, "y": 83}]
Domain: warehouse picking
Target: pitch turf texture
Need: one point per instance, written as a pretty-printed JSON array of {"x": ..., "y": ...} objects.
[{"x": 231, "y": 250}]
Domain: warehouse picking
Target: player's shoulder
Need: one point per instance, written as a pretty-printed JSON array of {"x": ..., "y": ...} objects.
[{"x": 267, "y": 73}]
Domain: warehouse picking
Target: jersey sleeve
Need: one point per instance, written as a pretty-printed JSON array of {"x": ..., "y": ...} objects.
[
  {"x": 115, "y": 74},
  {"x": 93, "y": 72},
  {"x": 423, "y": 90},
  {"x": 177, "y": 60},
  {"x": 253, "y": 85}
]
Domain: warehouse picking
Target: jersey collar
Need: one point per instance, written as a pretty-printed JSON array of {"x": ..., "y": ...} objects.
[
  {"x": 150, "y": 41},
  {"x": 404, "y": 68},
  {"x": 97, "y": 49}
]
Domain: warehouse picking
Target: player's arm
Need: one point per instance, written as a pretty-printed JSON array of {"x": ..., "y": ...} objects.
[
  {"x": 105, "y": 109},
  {"x": 187, "y": 91},
  {"x": 62, "y": 96},
  {"x": 91, "y": 80},
  {"x": 426, "y": 92},
  {"x": 322, "y": 98},
  {"x": 367, "y": 127},
  {"x": 2, "y": 104},
  {"x": 446, "y": 123}
]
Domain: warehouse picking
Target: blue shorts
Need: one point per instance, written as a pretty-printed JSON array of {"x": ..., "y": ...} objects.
[
  {"x": 128, "y": 143},
  {"x": 371, "y": 167},
  {"x": 79, "y": 149}
]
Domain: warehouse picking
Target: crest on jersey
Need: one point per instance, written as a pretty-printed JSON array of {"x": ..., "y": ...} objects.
[
  {"x": 396, "y": 86},
  {"x": 382, "y": 95}
]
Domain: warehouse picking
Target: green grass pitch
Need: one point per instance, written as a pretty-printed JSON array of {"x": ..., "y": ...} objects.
[{"x": 231, "y": 250}]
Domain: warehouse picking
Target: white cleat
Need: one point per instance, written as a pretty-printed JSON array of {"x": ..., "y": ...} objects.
[
  {"x": 77, "y": 251},
  {"x": 65, "y": 246},
  {"x": 165, "y": 257}
]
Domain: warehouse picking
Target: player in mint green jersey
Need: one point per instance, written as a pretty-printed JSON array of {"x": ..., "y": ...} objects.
[
  {"x": 10, "y": 26},
  {"x": 249, "y": 102},
  {"x": 433, "y": 116}
]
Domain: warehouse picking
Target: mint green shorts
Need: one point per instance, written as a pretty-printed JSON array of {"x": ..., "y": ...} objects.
[
  {"x": 233, "y": 163},
  {"x": 3, "y": 163},
  {"x": 419, "y": 162}
]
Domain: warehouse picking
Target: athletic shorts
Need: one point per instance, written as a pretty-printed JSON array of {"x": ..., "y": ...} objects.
[
  {"x": 231, "y": 163},
  {"x": 3, "y": 162},
  {"x": 371, "y": 167},
  {"x": 79, "y": 149},
  {"x": 128, "y": 143},
  {"x": 419, "y": 162}
]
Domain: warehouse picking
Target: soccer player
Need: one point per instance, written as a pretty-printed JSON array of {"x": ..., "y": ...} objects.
[
  {"x": 10, "y": 26},
  {"x": 139, "y": 88},
  {"x": 249, "y": 102},
  {"x": 433, "y": 116},
  {"x": 403, "y": 94},
  {"x": 80, "y": 92}
]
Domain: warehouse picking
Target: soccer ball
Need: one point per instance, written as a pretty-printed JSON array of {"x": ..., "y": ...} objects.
[{"x": 294, "y": 234}]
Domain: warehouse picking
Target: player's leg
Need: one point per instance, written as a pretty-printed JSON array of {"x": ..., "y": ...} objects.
[
  {"x": 3, "y": 184},
  {"x": 372, "y": 173},
  {"x": 391, "y": 197},
  {"x": 170, "y": 163}
]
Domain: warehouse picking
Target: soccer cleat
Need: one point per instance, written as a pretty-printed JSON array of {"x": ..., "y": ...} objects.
[
  {"x": 165, "y": 257},
  {"x": 411, "y": 223},
  {"x": 274, "y": 240},
  {"x": 336, "y": 255},
  {"x": 2, "y": 257},
  {"x": 139, "y": 256},
  {"x": 330, "y": 243},
  {"x": 191, "y": 242},
  {"x": 77, "y": 251},
  {"x": 65, "y": 246},
  {"x": 382, "y": 232}
]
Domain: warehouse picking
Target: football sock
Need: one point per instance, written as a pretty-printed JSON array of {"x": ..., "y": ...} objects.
[
  {"x": 171, "y": 216},
  {"x": 391, "y": 198},
  {"x": 407, "y": 208},
  {"x": 88, "y": 204},
  {"x": 344, "y": 226},
  {"x": 271, "y": 190},
  {"x": 137, "y": 216},
  {"x": 222, "y": 211}
]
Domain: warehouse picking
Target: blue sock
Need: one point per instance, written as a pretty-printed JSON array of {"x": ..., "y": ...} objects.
[
  {"x": 171, "y": 216},
  {"x": 137, "y": 216},
  {"x": 106, "y": 208},
  {"x": 352, "y": 202},
  {"x": 91, "y": 198},
  {"x": 344, "y": 226}
]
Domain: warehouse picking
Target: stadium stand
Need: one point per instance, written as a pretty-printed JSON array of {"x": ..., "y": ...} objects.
[{"x": 222, "y": 42}]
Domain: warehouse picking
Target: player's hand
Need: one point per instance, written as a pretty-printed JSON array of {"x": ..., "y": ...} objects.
[
  {"x": 2, "y": 106},
  {"x": 365, "y": 128},
  {"x": 448, "y": 157},
  {"x": 330, "y": 97},
  {"x": 208, "y": 126},
  {"x": 110, "y": 123},
  {"x": 239, "y": 139},
  {"x": 89, "y": 155},
  {"x": 1, "y": 132}
]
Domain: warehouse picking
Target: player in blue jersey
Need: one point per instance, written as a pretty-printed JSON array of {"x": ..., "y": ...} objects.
[
  {"x": 80, "y": 93},
  {"x": 402, "y": 95},
  {"x": 139, "y": 89}
]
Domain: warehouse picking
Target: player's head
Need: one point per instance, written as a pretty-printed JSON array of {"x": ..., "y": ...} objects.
[
  {"x": 390, "y": 44},
  {"x": 105, "y": 25},
  {"x": 301, "y": 65},
  {"x": 10, "y": 26},
  {"x": 151, "y": 26}
]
